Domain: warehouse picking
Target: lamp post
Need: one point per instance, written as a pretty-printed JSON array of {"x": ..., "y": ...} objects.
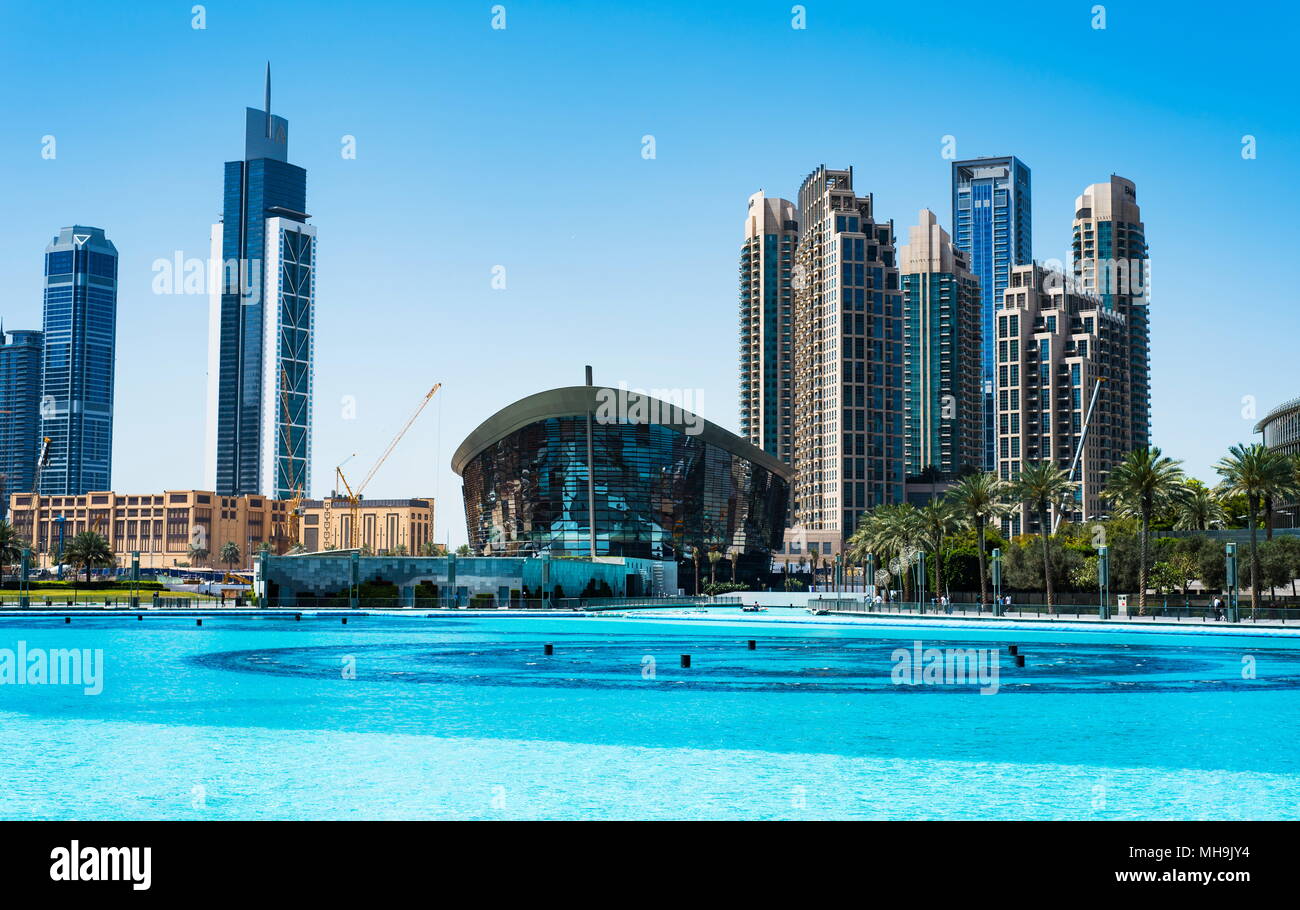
[
  {"x": 1230, "y": 565},
  {"x": 839, "y": 564},
  {"x": 59, "y": 559},
  {"x": 920, "y": 580},
  {"x": 24, "y": 586},
  {"x": 997, "y": 581},
  {"x": 1103, "y": 582}
]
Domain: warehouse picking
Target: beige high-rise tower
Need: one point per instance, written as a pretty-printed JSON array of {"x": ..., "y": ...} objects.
[
  {"x": 766, "y": 304},
  {"x": 1110, "y": 261},
  {"x": 848, "y": 362}
]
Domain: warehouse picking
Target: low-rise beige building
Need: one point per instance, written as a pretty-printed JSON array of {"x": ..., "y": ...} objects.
[
  {"x": 191, "y": 527},
  {"x": 391, "y": 526}
]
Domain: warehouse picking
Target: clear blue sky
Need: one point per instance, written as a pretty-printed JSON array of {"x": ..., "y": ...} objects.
[{"x": 478, "y": 147}]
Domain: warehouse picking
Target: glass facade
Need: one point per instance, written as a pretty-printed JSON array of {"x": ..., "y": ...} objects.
[
  {"x": 942, "y": 404},
  {"x": 1281, "y": 428},
  {"x": 658, "y": 491},
  {"x": 20, "y": 396},
  {"x": 77, "y": 374},
  {"x": 991, "y": 199},
  {"x": 260, "y": 413}
]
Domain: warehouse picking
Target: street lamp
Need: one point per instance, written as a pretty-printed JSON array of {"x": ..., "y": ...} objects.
[
  {"x": 59, "y": 559},
  {"x": 997, "y": 581},
  {"x": 1103, "y": 581},
  {"x": 1230, "y": 565}
]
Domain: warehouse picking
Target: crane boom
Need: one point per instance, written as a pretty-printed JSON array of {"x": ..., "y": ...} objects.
[
  {"x": 396, "y": 439},
  {"x": 1078, "y": 449},
  {"x": 354, "y": 496}
]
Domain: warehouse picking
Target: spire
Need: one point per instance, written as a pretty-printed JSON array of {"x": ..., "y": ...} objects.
[{"x": 268, "y": 99}]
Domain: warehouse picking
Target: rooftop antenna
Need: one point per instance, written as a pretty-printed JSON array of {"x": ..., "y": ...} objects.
[{"x": 268, "y": 99}]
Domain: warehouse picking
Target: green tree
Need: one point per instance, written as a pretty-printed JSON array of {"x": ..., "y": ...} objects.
[
  {"x": 429, "y": 548},
  {"x": 1143, "y": 482},
  {"x": 1198, "y": 508},
  {"x": 979, "y": 499},
  {"x": 714, "y": 556},
  {"x": 230, "y": 554},
  {"x": 197, "y": 553},
  {"x": 1254, "y": 471},
  {"x": 1042, "y": 486},
  {"x": 88, "y": 550},
  {"x": 891, "y": 533},
  {"x": 11, "y": 548},
  {"x": 1277, "y": 563},
  {"x": 937, "y": 519}
]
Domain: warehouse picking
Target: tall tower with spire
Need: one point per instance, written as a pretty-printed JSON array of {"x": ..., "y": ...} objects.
[{"x": 261, "y": 322}]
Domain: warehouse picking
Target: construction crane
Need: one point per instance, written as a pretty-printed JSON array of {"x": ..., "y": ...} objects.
[
  {"x": 354, "y": 496},
  {"x": 41, "y": 463},
  {"x": 1078, "y": 449}
]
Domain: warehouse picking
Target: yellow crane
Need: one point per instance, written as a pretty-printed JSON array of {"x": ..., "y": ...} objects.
[{"x": 354, "y": 496}]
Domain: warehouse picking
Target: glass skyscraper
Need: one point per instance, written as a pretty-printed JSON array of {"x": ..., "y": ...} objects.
[
  {"x": 262, "y": 321},
  {"x": 991, "y": 202},
  {"x": 76, "y": 405},
  {"x": 20, "y": 416},
  {"x": 942, "y": 404}
]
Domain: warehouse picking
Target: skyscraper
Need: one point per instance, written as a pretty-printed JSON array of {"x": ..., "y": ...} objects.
[
  {"x": 1110, "y": 260},
  {"x": 766, "y": 302},
  {"x": 261, "y": 320},
  {"x": 848, "y": 360},
  {"x": 991, "y": 220},
  {"x": 77, "y": 374},
  {"x": 942, "y": 402},
  {"x": 1056, "y": 346},
  {"x": 20, "y": 416}
]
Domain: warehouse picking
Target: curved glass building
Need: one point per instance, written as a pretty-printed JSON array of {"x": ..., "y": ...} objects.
[
  {"x": 1281, "y": 427},
  {"x": 665, "y": 480}
]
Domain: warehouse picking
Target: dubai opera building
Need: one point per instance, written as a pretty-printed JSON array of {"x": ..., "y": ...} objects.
[{"x": 665, "y": 481}]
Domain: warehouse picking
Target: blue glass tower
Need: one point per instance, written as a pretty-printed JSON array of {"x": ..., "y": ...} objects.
[
  {"x": 76, "y": 405},
  {"x": 20, "y": 416},
  {"x": 991, "y": 203},
  {"x": 261, "y": 320}
]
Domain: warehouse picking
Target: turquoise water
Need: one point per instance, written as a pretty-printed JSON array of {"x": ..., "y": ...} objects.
[{"x": 465, "y": 717}]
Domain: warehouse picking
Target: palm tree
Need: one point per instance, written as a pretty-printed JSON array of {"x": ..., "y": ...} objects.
[
  {"x": 1254, "y": 471},
  {"x": 978, "y": 499},
  {"x": 11, "y": 548},
  {"x": 230, "y": 554},
  {"x": 1143, "y": 482},
  {"x": 814, "y": 557},
  {"x": 714, "y": 556},
  {"x": 88, "y": 549},
  {"x": 890, "y": 532},
  {"x": 937, "y": 519},
  {"x": 1042, "y": 486},
  {"x": 1199, "y": 508},
  {"x": 197, "y": 553}
]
